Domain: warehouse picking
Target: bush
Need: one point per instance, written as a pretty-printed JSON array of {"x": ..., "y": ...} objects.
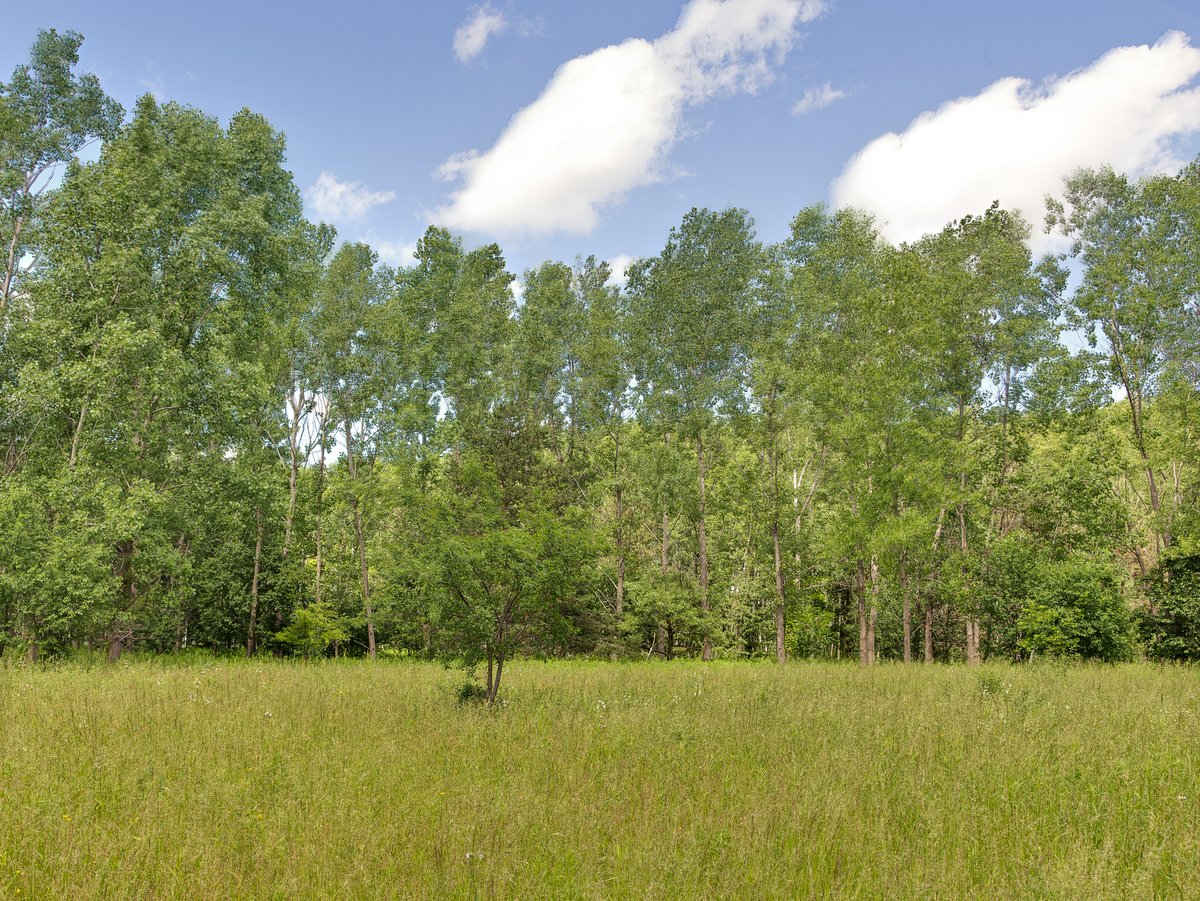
[
  {"x": 1171, "y": 625},
  {"x": 1078, "y": 609},
  {"x": 313, "y": 629}
]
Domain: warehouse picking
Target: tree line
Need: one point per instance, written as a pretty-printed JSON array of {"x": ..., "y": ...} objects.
[{"x": 222, "y": 429}]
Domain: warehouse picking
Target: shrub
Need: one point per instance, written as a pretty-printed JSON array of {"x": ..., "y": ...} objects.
[
  {"x": 1171, "y": 625},
  {"x": 1078, "y": 609},
  {"x": 313, "y": 629}
]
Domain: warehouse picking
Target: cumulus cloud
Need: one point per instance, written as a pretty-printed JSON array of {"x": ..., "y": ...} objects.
[
  {"x": 605, "y": 122},
  {"x": 342, "y": 201},
  {"x": 817, "y": 98},
  {"x": 1015, "y": 142},
  {"x": 473, "y": 35},
  {"x": 394, "y": 253},
  {"x": 619, "y": 269}
]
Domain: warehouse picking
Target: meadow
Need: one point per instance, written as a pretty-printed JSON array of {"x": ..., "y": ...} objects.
[{"x": 599, "y": 780}]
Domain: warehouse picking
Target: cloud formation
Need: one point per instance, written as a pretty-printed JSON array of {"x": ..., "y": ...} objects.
[
  {"x": 394, "y": 253},
  {"x": 619, "y": 269},
  {"x": 342, "y": 201},
  {"x": 605, "y": 122},
  {"x": 473, "y": 35},
  {"x": 1015, "y": 142},
  {"x": 817, "y": 98}
]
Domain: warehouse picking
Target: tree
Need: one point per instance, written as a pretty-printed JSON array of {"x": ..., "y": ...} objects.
[
  {"x": 1135, "y": 240},
  {"x": 858, "y": 302},
  {"x": 691, "y": 310},
  {"x": 47, "y": 115},
  {"x": 161, "y": 262},
  {"x": 349, "y": 300}
]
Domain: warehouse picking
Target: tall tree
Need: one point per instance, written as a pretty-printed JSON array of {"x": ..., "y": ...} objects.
[
  {"x": 691, "y": 310},
  {"x": 162, "y": 261},
  {"x": 1136, "y": 241},
  {"x": 350, "y": 299},
  {"x": 47, "y": 115}
]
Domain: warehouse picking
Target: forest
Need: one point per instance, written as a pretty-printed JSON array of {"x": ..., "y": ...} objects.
[{"x": 222, "y": 429}]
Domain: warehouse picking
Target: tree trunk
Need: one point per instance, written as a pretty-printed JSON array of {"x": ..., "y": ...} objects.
[
  {"x": 1133, "y": 394},
  {"x": 320, "y": 511},
  {"x": 258, "y": 544},
  {"x": 702, "y": 540},
  {"x": 780, "y": 599},
  {"x": 495, "y": 650},
  {"x": 907, "y": 614},
  {"x": 620, "y": 498},
  {"x": 780, "y": 609},
  {"x": 928, "y": 605},
  {"x": 973, "y": 658},
  {"x": 873, "y": 616},
  {"x": 77, "y": 435},
  {"x": 10, "y": 269},
  {"x": 496, "y": 685},
  {"x": 972, "y": 622},
  {"x": 296, "y": 398},
  {"x": 620, "y": 599},
  {"x": 297, "y": 401},
  {"x": 860, "y": 591},
  {"x": 360, "y": 539},
  {"x": 661, "y": 637}
]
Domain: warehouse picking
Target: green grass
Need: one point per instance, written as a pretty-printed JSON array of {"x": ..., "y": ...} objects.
[{"x": 598, "y": 780}]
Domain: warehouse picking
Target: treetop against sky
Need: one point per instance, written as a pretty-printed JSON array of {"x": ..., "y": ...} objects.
[{"x": 591, "y": 127}]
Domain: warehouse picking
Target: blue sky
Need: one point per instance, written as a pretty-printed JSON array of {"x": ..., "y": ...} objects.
[{"x": 597, "y": 125}]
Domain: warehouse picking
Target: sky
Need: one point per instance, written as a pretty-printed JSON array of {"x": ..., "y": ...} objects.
[{"x": 591, "y": 127}]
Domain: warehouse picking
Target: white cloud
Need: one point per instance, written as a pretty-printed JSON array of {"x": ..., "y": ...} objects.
[
  {"x": 605, "y": 122},
  {"x": 619, "y": 269},
  {"x": 342, "y": 201},
  {"x": 817, "y": 98},
  {"x": 1015, "y": 142},
  {"x": 394, "y": 253},
  {"x": 472, "y": 35}
]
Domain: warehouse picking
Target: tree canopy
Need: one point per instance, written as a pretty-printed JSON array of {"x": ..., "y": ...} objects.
[{"x": 221, "y": 429}]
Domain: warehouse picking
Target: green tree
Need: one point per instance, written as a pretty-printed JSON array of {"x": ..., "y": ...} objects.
[
  {"x": 691, "y": 308},
  {"x": 161, "y": 263},
  {"x": 1135, "y": 241},
  {"x": 47, "y": 115}
]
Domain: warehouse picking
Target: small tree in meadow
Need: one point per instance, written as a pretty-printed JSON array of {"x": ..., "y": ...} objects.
[{"x": 313, "y": 629}]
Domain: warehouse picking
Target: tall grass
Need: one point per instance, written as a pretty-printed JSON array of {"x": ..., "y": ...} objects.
[{"x": 599, "y": 780}]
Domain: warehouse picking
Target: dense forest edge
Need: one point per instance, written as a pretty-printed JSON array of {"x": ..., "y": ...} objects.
[{"x": 222, "y": 429}]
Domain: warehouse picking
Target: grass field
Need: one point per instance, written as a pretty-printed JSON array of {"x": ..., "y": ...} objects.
[{"x": 599, "y": 780}]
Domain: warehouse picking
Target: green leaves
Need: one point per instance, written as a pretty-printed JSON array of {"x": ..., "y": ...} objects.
[{"x": 691, "y": 317}]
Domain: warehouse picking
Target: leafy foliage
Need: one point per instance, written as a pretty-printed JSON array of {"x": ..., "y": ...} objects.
[{"x": 217, "y": 425}]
